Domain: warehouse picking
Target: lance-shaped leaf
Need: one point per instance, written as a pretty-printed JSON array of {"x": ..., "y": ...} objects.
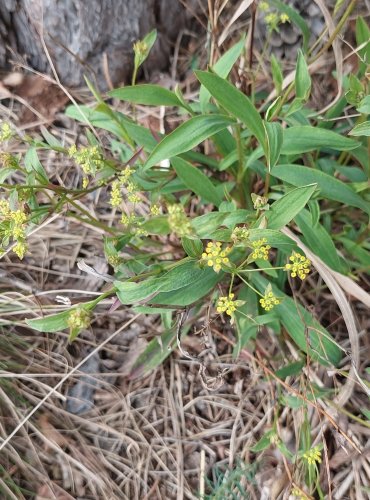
[{"x": 187, "y": 136}]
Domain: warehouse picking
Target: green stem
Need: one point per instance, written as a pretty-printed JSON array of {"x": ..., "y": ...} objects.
[
  {"x": 337, "y": 30},
  {"x": 249, "y": 285}
]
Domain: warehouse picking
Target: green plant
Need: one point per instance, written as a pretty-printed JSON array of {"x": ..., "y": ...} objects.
[{"x": 191, "y": 233}]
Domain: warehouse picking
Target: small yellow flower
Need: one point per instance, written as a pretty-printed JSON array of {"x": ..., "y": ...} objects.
[
  {"x": 132, "y": 190},
  {"x": 227, "y": 304},
  {"x": 155, "y": 210},
  {"x": 14, "y": 226},
  {"x": 6, "y": 132},
  {"x": 284, "y": 18},
  {"x": 128, "y": 220},
  {"x": 20, "y": 248},
  {"x": 269, "y": 300},
  {"x": 312, "y": 456},
  {"x": 261, "y": 250},
  {"x": 239, "y": 234},
  {"x": 8, "y": 161},
  {"x": 115, "y": 195},
  {"x": 178, "y": 221},
  {"x": 140, "y": 48},
  {"x": 114, "y": 260},
  {"x": 300, "y": 265},
  {"x": 263, "y": 6},
  {"x": 89, "y": 158},
  {"x": 274, "y": 439},
  {"x": 272, "y": 20},
  {"x": 4, "y": 208},
  {"x": 215, "y": 256},
  {"x": 296, "y": 492},
  {"x": 79, "y": 318},
  {"x": 125, "y": 175}
]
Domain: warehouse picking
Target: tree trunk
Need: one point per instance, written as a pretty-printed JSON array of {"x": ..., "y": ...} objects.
[{"x": 87, "y": 37}]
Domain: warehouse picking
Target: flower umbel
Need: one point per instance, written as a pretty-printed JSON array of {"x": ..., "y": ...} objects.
[
  {"x": 269, "y": 300},
  {"x": 6, "y": 132},
  {"x": 239, "y": 234},
  {"x": 261, "y": 250},
  {"x": 79, "y": 318},
  {"x": 227, "y": 304},
  {"x": 177, "y": 220},
  {"x": 89, "y": 158},
  {"x": 299, "y": 266},
  {"x": 312, "y": 456},
  {"x": 215, "y": 255},
  {"x": 13, "y": 225}
]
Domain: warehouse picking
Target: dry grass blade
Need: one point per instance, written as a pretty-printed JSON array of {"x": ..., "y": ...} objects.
[
  {"x": 243, "y": 6},
  {"x": 63, "y": 380},
  {"x": 348, "y": 316},
  {"x": 338, "y": 56}
]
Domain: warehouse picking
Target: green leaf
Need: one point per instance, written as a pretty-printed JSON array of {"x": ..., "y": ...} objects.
[
  {"x": 33, "y": 164},
  {"x": 329, "y": 186},
  {"x": 151, "y": 95},
  {"x": 274, "y": 140},
  {"x": 288, "y": 206},
  {"x": 202, "y": 284},
  {"x": 277, "y": 74},
  {"x": 301, "y": 139},
  {"x": 302, "y": 327},
  {"x": 235, "y": 102},
  {"x": 196, "y": 180},
  {"x": 319, "y": 241},
  {"x": 183, "y": 274},
  {"x": 364, "y": 106},
  {"x": 363, "y": 38},
  {"x": 222, "y": 68},
  {"x": 130, "y": 292},
  {"x": 5, "y": 172},
  {"x": 192, "y": 247},
  {"x": 50, "y": 139},
  {"x": 290, "y": 369},
  {"x": 302, "y": 80},
  {"x": 264, "y": 442},
  {"x": 360, "y": 130},
  {"x": 187, "y": 136},
  {"x": 52, "y": 323}
]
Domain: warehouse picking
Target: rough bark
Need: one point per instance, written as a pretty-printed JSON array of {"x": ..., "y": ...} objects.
[{"x": 79, "y": 34}]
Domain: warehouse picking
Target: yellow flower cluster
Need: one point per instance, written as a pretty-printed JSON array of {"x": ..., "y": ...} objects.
[
  {"x": 261, "y": 250},
  {"x": 215, "y": 255},
  {"x": 227, "y": 304},
  {"x": 132, "y": 190},
  {"x": 8, "y": 161},
  {"x": 155, "y": 209},
  {"x": 129, "y": 220},
  {"x": 273, "y": 19},
  {"x": 78, "y": 318},
  {"x": 269, "y": 300},
  {"x": 6, "y": 132},
  {"x": 178, "y": 221},
  {"x": 299, "y": 266},
  {"x": 88, "y": 158},
  {"x": 119, "y": 183},
  {"x": 263, "y": 6},
  {"x": 13, "y": 225},
  {"x": 296, "y": 492},
  {"x": 239, "y": 234},
  {"x": 140, "y": 48},
  {"x": 313, "y": 455}
]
